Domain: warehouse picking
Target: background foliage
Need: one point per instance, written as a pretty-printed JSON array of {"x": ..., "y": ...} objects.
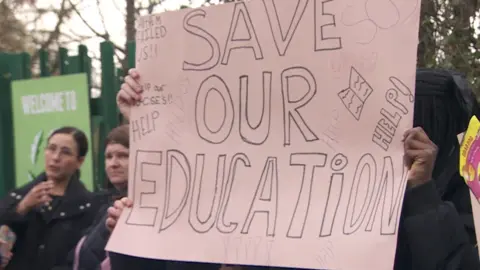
[{"x": 448, "y": 31}]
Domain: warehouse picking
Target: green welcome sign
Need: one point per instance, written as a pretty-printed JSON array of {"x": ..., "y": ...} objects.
[{"x": 39, "y": 107}]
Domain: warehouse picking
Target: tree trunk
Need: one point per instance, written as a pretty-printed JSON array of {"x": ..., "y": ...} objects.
[{"x": 130, "y": 28}]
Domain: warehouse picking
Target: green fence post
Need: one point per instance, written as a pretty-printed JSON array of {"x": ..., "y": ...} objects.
[
  {"x": 26, "y": 67},
  {"x": 19, "y": 66},
  {"x": 83, "y": 55},
  {"x": 119, "y": 79},
  {"x": 131, "y": 47},
  {"x": 44, "y": 65},
  {"x": 85, "y": 64},
  {"x": 12, "y": 67},
  {"x": 109, "y": 90},
  {"x": 118, "y": 84},
  {"x": 97, "y": 143},
  {"x": 108, "y": 97},
  {"x": 63, "y": 58},
  {"x": 7, "y": 176}
]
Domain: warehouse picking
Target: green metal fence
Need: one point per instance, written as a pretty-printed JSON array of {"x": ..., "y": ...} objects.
[{"x": 103, "y": 110}]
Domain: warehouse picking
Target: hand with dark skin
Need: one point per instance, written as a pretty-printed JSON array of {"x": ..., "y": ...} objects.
[{"x": 420, "y": 155}]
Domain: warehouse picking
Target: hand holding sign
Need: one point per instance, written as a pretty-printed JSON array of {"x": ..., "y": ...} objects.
[
  {"x": 129, "y": 93},
  {"x": 115, "y": 211},
  {"x": 420, "y": 155}
]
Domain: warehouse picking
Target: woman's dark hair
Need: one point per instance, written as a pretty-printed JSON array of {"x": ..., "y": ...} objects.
[
  {"x": 119, "y": 135},
  {"x": 79, "y": 137}
]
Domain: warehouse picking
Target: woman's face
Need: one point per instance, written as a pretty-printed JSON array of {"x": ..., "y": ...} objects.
[
  {"x": 61, "y": 157},
  {"x": 116, "y": 164}
]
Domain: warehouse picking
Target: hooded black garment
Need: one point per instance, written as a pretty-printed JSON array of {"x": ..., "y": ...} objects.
[{"x": 436, "y": 228}]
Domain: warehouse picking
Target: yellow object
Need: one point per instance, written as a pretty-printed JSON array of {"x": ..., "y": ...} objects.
[{"x": 469, "y": 163}]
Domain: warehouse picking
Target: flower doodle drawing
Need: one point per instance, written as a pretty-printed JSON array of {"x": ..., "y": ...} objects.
[{"x": 373, "y": 16}]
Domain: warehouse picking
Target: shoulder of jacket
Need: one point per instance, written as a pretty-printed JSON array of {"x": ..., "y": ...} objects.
[{"x": 19, "y": 192}]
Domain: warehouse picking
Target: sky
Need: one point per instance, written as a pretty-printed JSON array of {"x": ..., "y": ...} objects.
[{"x": 112, "y": 12}]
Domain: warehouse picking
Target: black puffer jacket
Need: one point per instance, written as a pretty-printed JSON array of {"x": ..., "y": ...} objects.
[
  {"x": 92, "y": 252},
  {"x": 125, "y": 262},
  {"x": 46, "y": 234}
]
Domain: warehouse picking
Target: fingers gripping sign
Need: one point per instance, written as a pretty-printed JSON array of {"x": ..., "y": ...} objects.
[
  {"x": 420, "y": 155},
  {"x": 129, "y": 93},
  {"x": 115, "y": 211}
]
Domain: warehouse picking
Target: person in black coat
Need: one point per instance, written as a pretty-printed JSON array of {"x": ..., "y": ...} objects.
[
  {"x": 50, "y": 214},
  {"x": 436, "y": 227},
  {"x": 92, "y": 250}
]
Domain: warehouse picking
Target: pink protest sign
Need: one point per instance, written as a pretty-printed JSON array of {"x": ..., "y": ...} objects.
[{"x": 270, "y": 133}]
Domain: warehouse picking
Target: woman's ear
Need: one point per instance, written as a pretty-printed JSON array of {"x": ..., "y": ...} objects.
[{"x": 80, "y": 162}]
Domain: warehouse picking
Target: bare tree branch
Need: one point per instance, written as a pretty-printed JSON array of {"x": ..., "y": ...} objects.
[
  {"x": 152, "y": 4},
  {"x": 115, "y": 4},
  {"x": 105, "y": 35},
  {"x": 149, "y": 8},
  {"x": 102, "y": 18},
  {"x": 54, "y": 35}
]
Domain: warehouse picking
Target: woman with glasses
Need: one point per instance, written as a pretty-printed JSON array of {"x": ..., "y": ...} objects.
[{"x": 50, "y": 213}]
